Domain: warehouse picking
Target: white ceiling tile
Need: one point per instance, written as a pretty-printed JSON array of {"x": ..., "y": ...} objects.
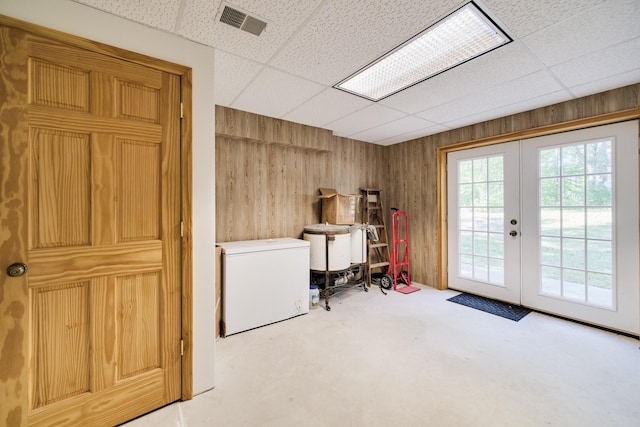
[
  {"x": 160, "y": 14},
  {"x": 499, "y": 66},
  {"x": 369, "y": 117},
  {"x": 274, "y": 93},
  {"x": 561, "y": 49},
  {"x": 329, "y": 105},
  {"x": 613, "y": 82},
  {"x": 282, "y": 12},
  {"x": 389, "y": 130},
  {"x": 519, "y": 107},
  {"x": 431, "y": 130},
  {"x": 491, "y": 98},
  {"x": 617, "y": 21},
  {"x": 344, "y": 36},
  {"x": 232, "y": 75},
  {"x": 523, "y": 17},
  {"x": 198, "y": 19},
  {"x": 599, "y": 65},
  {"x": 200, "y": 22}
]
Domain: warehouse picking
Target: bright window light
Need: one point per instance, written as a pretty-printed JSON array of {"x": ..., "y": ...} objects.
[{"x": 465, "y": 34}]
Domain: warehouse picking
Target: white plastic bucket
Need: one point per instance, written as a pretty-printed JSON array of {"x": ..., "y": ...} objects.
[
  {"x": 358, "y": 244},
  {"x": 334, "y": 237}
]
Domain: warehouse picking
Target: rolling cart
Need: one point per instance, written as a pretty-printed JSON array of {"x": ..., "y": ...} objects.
[
  {"x": 332, "y": 269},
  {"x": 399, "y": 268}
]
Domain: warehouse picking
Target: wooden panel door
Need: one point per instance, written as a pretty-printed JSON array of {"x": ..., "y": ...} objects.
[{"x": 90, "y": 201}]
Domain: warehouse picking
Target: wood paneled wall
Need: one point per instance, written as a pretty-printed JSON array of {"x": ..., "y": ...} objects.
[
  {"x": 267, "y": 182},
  {"x": 412, "y": 166},
  {"x": 268, "y": 172}
]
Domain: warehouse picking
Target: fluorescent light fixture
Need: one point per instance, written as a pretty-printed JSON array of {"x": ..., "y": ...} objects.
[{"x": 463, "y": 35}]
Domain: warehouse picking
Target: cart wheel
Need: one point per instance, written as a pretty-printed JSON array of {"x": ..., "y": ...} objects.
[
  {"x": 404, "y": 276},
  {"x": 328, "y": 308},
  {"x": 386, "y": 282},
  {"x": 365, "y": 288}
]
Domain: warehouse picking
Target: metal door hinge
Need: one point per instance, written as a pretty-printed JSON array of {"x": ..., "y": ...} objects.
[
  {"x": 181, "y": 347},
  {"x": 181, "y": 111},
  {"x": 181, "y": 228}
]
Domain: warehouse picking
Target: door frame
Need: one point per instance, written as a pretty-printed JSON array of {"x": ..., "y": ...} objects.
[
  {"x": 603, "y": 119},
  {"x": 185, "y": 74}
]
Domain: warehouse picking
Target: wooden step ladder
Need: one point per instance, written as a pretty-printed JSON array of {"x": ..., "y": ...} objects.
[{"x": 373, "y": 214}]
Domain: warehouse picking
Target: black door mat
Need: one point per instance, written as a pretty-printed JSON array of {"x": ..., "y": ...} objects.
[{"x": 499, "y": 308}]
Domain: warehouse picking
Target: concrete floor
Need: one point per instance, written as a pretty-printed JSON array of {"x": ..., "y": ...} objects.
[{"x": 416, "y": 360}]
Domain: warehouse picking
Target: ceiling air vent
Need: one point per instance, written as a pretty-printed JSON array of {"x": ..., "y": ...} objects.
[{"x": 241, "y": 20}]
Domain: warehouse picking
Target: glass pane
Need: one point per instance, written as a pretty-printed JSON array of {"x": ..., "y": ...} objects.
[
  {"x": 550, "y": 281},
  {"x": 599, "y": 223},
  {"x": 573, "y": 222},
  {"x": 599, "y": 256},
  {"x": 496, "y": 220},
  {"x": 480, "y": 268},
  {"x": 465, "y": 195},
  {"x": 550, "y": 162},
  {"x": 573, "y": 191},
  {"x": 496, "y": 194},
  {"x": 465, "y": 171},
  {"x": 600, "y": 289},
  {"x": 479, "y": 170},
  {"x": 466, "y": 242},
  {"x": 466, "y": 218},
  {"x": 576, "y": 222},
  {"x": 573, "y": 254},
  {"x": 480, "y": 219},
  {"x": 496, "y": 245},
  {"x": 550, "y": 251},
  {"x": 481, "y": 185},
  {"x": 496, "y": 271},
  {"x": 480, "y": 242},
  {"x": 573, "y": 160},
  {"x": 466, "y": 265},
  {"x": 599, "y": 190},
  {"x": 599, "y": 280},
  {"x": 550, "y": 192},
  {"x": 496, "y": 169},
  {"x": 480, "y": 194},
  {"x": 573, "y": 284},
  {"x": 550, "y": 222},
  {"x": 599, "y": 157}
]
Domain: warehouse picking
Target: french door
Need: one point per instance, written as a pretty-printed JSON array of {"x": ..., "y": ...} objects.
[
  {"x": 484, "y": 212},
  {"x": 575, "y": 224},
  {"x": 580, "y": 231}
]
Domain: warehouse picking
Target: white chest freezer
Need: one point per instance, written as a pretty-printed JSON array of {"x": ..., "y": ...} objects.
[{"x": 263, "y": 281}]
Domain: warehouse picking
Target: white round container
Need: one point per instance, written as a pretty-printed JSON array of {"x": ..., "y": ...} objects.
[
  {"x": 338, "y": 240},
  {"x": 358, "y": 243}
]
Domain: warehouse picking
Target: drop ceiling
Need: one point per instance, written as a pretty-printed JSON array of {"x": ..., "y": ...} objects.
[{"x": 561, "y": 50}]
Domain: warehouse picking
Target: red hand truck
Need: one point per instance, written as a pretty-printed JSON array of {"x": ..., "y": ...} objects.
[{"x": 400, "y": 270}]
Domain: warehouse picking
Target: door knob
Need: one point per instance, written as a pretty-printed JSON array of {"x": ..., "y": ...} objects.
[
  {"x": 513, "y": 233},
  {"x": 17, "y": 269}
]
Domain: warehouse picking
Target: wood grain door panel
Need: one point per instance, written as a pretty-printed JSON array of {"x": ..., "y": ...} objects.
[
  {"x": 95, "y": 161},
  {"x": 60, "y": 188}
]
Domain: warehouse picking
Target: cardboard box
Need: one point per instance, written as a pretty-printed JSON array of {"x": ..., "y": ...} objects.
[{"x": 340, "y": 208}]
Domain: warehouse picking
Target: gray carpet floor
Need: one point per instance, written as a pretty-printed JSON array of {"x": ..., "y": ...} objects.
[{"x": 416, "y": 360}]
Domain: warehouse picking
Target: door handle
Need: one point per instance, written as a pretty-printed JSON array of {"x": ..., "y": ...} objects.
[
  {"x": 17, "y": 269},
  {"x": 513, "y": 233}
]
